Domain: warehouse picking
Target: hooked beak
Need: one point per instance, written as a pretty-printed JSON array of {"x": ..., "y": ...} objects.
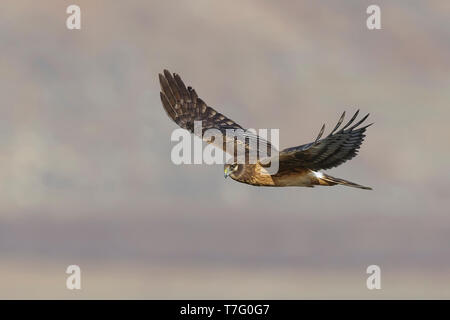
[{"x": 227, "y": 172}]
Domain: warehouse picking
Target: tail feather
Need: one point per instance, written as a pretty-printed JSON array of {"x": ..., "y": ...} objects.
[{"x": 327, "y": 180}]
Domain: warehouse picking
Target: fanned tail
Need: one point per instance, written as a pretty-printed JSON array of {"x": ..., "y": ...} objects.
[{"x": 327, "y": 180}]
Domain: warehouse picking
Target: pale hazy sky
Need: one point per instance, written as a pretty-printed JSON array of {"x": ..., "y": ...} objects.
[{"x": 85, "y": 143}]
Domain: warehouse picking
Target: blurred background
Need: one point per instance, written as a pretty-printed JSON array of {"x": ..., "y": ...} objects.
[{"x": 85, "y": 169}]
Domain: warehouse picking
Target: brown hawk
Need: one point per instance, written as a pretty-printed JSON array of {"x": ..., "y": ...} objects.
[{"x": 297, "y": 166}]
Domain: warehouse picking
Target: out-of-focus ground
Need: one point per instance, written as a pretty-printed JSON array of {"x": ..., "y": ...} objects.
[
  {"x": 118, "y": 281},
  {"x": 85, "y": 169}
]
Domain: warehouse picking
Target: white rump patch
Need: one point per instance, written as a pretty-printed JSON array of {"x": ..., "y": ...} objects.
[{"x": 318, "y": 174}]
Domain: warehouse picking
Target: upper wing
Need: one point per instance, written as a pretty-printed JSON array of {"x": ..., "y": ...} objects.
[
  {"x": 184, "y": 107},
  {"x": 327, "y": 153}
]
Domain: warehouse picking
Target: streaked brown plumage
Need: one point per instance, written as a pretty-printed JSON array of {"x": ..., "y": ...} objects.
[{"x": 298, "y": 166}]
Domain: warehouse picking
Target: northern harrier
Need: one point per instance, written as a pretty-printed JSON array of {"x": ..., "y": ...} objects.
[{"x": 298, "y": 166}]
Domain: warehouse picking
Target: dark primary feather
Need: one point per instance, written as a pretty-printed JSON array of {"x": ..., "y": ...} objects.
[
  {"x": 184, "y": 107},
  {"x": 330, "y": 152}
]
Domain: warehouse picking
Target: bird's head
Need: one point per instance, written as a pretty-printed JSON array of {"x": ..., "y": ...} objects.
[{"x": 231, "y": 170}]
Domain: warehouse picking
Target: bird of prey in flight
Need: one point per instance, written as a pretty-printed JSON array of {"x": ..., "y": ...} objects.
[{"x": 297, "y": 166}]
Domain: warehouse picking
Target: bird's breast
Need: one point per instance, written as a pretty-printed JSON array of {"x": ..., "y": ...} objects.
[{"x": 258, "y": 176}]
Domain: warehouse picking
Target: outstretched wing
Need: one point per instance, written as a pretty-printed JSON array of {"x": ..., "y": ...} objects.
[
  {"x": 184, "y": 107},
  {"x": 330, "y": 152}
]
